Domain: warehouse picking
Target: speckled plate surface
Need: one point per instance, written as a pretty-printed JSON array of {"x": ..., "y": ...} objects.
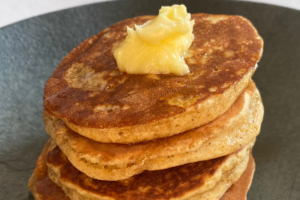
[{"x": 30, "y": 50}]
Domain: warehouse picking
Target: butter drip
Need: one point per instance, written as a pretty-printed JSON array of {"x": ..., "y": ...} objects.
[{"x": 158, "y": 46}]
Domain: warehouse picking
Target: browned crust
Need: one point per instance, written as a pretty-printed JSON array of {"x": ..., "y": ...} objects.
[{"x": 146, "y": 100}]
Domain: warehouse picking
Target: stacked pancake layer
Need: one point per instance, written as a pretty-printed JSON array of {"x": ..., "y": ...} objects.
[
  {"x": 43, "y": 188},
  {"x": 105, "y": 161},
  {"x": 122, "y": 136}
]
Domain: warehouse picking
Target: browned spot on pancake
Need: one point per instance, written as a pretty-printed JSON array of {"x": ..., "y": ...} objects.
[{"x": 92, "y": 67}]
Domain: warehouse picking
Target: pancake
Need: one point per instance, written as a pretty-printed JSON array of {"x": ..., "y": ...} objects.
[
  {"x": 43, "y": 188},
  {"x": 202, "y": 180},
  {"x": 107, "y": 161},
  {"x": 96, "y": 100}
]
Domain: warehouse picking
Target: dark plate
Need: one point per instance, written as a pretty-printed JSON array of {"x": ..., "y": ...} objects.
[{"x": 30, "y": 50}]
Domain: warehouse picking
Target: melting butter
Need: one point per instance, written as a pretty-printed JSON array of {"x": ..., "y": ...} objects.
[{"x": 158, "y": 46}]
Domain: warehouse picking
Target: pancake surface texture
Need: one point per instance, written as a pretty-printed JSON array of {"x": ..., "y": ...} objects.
[
  {"x": 105, "y": 161},
  {"x": 201, "y": 180},
  {"x": 90, "y": 94}
]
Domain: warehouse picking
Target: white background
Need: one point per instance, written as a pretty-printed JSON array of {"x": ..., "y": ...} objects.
[{"x": 15, "y": 10}]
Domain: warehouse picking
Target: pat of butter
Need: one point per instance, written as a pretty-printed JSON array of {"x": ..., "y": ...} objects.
[{"x": 158, "y": 46}]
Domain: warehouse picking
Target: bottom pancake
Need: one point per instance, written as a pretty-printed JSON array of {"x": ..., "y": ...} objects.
[{"x": 202, "y": 180}]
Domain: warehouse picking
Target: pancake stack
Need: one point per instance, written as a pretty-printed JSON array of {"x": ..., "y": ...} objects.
[{"x": 157, "y": 136}]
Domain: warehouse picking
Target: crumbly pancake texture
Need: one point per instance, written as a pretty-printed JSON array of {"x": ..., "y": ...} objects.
[
  {"x": 201, "y": 180},
  {"x": 90, "y": 94},
  {"x": 107, "y": 161}
]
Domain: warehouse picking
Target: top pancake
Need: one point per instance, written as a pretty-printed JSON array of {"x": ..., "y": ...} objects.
[{"x": 96, "y": 100}]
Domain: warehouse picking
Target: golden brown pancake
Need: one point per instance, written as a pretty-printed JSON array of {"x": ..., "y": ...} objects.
[
  {"x": 106, "y": 161},
  {"x": 90, "y": 94},
  {"x": 201, "y": 180},
  {"x": 43, "y": 188}
]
